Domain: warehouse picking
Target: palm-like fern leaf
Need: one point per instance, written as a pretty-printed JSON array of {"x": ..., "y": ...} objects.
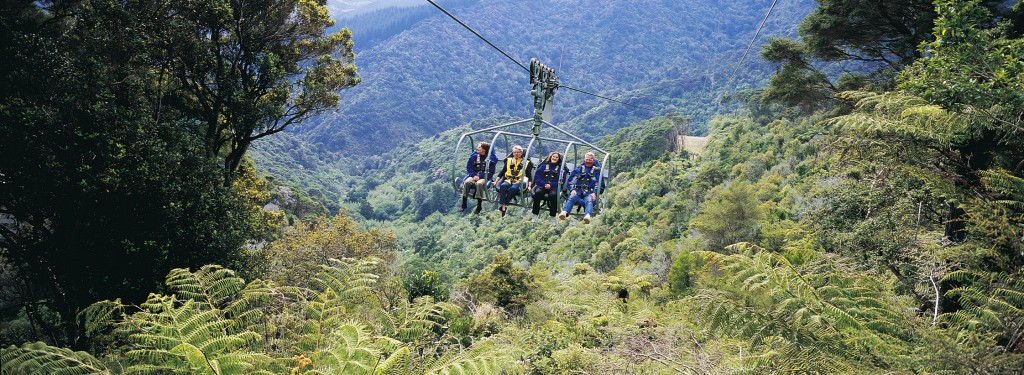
[
  {"x": 349, "y": 279},
  {"x": 823, "y": 315},
  {"x": 398, "y": 363},
  {"x": 482, "y": 358},
  {"x": 38, "y": 358},
  {"x": 211, "y": 284},
  {"x": 188, "y": 337}
]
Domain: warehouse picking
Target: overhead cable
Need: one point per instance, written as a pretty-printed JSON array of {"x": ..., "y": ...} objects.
[
  {"x": 456, "y": 19},
  {"x": 737, "y": 67},
  {"x": 608, "y": 99}
]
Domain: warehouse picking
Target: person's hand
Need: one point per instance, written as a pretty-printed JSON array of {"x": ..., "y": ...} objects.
[
  {"x": 572, "y": 193},
  {"x": 547, "y": 186},
  {"x": 476, "y": 178},
  {"x": 593, "y": 196}
]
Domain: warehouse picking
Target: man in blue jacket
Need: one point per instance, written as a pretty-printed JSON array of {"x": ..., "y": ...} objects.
[
  {"x": 583, "y": 188},
  {"x": 479, "y": 170}
]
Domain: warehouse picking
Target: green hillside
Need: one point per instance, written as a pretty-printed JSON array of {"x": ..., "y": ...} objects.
[
  {"x": 670, "y": 55},
  {"x": 675, "y": 57}
]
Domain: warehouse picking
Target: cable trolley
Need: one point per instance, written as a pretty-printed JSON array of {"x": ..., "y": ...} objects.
[{"x": 527, "y": 133}]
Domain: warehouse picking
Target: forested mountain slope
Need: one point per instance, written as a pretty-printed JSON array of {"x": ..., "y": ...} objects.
[{"x": 670, "y": 55}]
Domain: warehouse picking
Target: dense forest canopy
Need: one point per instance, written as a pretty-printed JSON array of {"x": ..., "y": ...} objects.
[{"x": 868, "y": 222}]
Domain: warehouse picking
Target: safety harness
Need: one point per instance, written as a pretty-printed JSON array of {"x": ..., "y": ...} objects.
[
  {"x": 585, "y": 177},
  {"x": 551, "y": 172},
  {"x": 480, "y": 166},
  {"x": 514, "y": 171}
]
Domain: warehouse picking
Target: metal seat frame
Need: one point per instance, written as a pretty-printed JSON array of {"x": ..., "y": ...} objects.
[{"x": 507, "y": 131}]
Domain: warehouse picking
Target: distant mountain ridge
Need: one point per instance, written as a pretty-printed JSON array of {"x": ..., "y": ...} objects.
[
  {"x": 341, "y": 9},
  {"x": 436, "y": 75}
]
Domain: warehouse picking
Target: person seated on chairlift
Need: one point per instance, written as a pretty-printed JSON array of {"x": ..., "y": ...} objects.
[
  {"x": 582, "y": 186},
  {"x": 513, "y": 175},
  {"x": 545, "y": 185},
  {"x": 479, "y": 170}
]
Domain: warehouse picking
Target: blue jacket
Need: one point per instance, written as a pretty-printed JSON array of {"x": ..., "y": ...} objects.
[
  {"x": 479, "y": 166},
  {"x": 584, "y": 179},
  {"x": 548, "y": 174}
]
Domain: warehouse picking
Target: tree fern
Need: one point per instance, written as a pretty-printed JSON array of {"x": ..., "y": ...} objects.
[
  {"x": 346, "y": 350},
  {"x": 177, "y": 336},
  {"x": 997, "y": 213},
  {"x": 100, "y": 319},
  {"x": 349, "y": 279},
  {"x": 40, "y": 359},
  {"x": 826, "y": 313},
  {"x": 222, "y": 289},
  {"x": 212, "y": 284},
  {"x": 483, "y": 358},
  {"x": 398, "y": 363},
  {"x": 991, "y": 303},
  {"x": 416, "y": 320},
  {"x": 893, "y": 114}
]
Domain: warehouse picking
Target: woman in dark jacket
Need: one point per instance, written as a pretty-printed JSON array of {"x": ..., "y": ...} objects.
[{"x": 545, "y": 185}]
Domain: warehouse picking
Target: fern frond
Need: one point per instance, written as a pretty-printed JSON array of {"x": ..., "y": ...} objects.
[
  {"x": 348, "y": 350},
  {"x": 397, "y": 363},
  {"x": 482, "y": 358},
  {"x": 211, "y": 284},
  {"x": 347, "y": 278},
  {"x": 189, "y": 336},
  {"x": 1003, "y": 182},
  {"x": 824, "y": 314},
  {"x": 100, "y": 316},
  {"x": 37, "y": 358}
]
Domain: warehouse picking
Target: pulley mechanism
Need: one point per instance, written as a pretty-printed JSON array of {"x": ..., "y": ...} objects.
[{"x": 544, "y": 84}]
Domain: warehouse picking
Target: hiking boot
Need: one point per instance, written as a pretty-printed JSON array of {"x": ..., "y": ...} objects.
[
  {"x": 533, "y": 219},
  {"x": 562, "y": 215},
  {"x": 463, "y": 205},
  {"x": 479, "y": 203},
  {"x": 586, "y": 219}
]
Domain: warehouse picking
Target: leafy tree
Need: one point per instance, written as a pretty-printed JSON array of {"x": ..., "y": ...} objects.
[
  {"x": 731, "y": 215},
  {"x": 886, "y": 32},
  {"x": 249, "y": 69},
  {"x": 103, "y": 190},
  {"x": 679, "y": 275},
  {"x": 305, "y": 247},
  {"x": 503, "y": 283},
  {"x": 881, "y": 35}
]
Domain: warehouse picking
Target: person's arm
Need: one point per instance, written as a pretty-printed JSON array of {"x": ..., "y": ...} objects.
[
  {"x": 491, "y": 161},
  {"x": 528, "y": 173},
  {"x": 594, "y": 175},
  {"x": 592, "y": 184},
  {"x": 538, "y": 176},
  {"x": 571, "y": 183},
  {"x": 470, "y": 171},
  {"x": 504, "y": 167}
]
